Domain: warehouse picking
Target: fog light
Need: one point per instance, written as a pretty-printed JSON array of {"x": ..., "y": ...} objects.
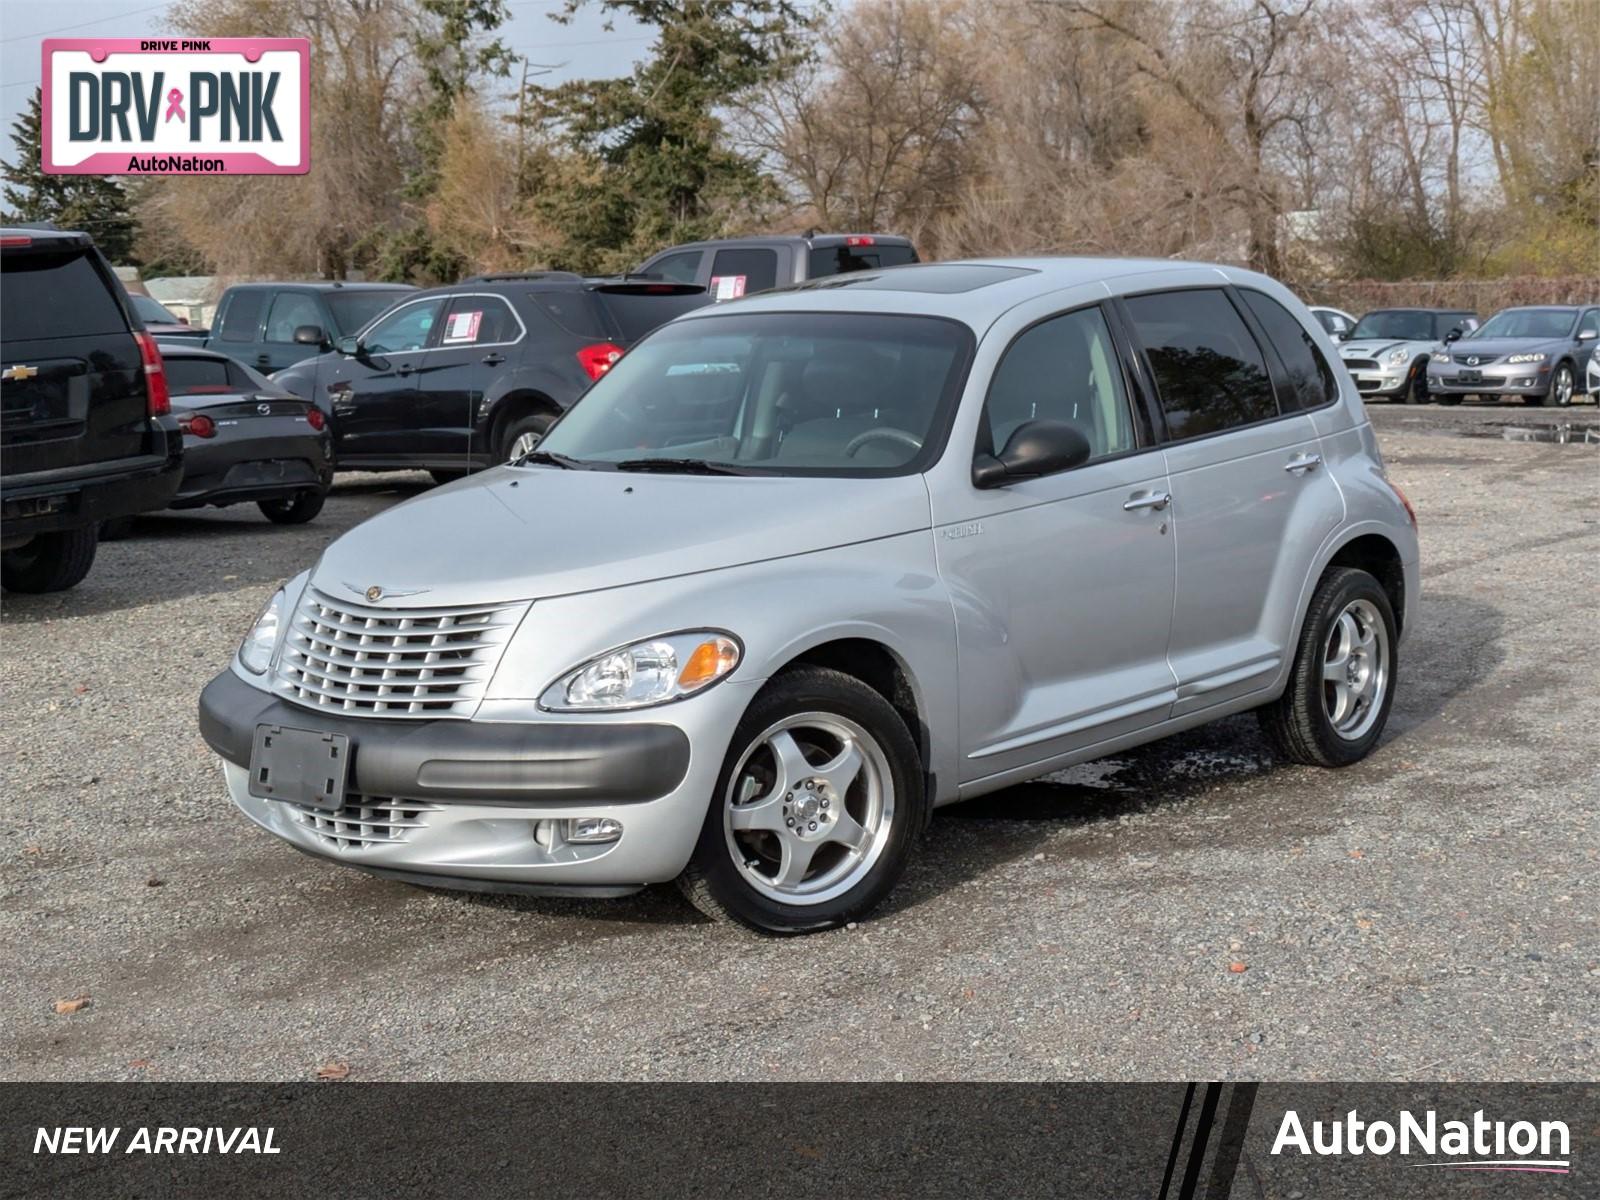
[{"x": 593, "y": 829}]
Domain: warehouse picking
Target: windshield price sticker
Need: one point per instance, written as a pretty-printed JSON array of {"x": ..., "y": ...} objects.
[
  {"x": 462, "y": 327},
  {"x": 165, "y": 106}
]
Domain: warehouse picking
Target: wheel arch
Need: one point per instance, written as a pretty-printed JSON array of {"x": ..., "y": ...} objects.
[
  {"x": 878, "y": 666},
  {"x": 1379, "y": 557},
  {"x": 513, "y": 405}
]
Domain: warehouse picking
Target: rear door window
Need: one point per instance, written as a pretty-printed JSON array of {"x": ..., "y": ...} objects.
[
  {"x": 479, "y": 321},
  {"x": 745, "y": 270},
  {"x": 289, "y": 311},
  {"x": 1311, "y": 381},
  {"x": 57, "y": 295},
  {"x": 1209, "y": 372},
  {"x": 241, "y": 321}
]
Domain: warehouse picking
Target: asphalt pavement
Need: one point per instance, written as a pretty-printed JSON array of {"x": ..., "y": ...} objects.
[{"x": 1192, "y": 909}]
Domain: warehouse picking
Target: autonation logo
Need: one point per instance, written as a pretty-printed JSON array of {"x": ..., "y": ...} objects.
[{"x": 1476, "y": 1145}]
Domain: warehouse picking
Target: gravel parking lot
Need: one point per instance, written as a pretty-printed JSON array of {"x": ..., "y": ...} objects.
[{"x": 1192, "y": 909}]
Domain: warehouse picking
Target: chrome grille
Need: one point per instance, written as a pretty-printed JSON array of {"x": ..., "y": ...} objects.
[
  {"x": 426, "y": 662},
  {"x": 363, "y": 821},
  {"x": 1483, "y": 360}
]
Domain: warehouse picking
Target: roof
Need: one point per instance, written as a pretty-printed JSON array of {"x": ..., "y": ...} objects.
[
  {"x": 799, "y": 239},
  {"x": 1015, "y": 281},
  {"x": 39, "y": 235},
  {"x": 326, "y": 285}
]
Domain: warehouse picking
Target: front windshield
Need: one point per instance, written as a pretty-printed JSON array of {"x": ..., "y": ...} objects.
[
  {"x": 1527, "y": 323},
  {"x": 781, "y": 393},
  {"x": 1399, "y": 324}
]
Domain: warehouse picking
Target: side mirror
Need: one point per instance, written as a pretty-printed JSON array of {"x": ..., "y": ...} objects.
[
  {"x": 1453, "y": 336},
  {"x": 350, "y": 347},
  {"x": 310, "y": 335},
  {"x": 1587, "y": 335},
  {"x": 1036, "y": 448}
]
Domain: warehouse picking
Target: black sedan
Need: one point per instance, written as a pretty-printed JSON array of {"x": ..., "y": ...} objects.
[{"x": 245, "y": 438}]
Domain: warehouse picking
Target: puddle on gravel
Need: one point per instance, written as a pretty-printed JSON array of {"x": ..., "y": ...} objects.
[{"x": 1560, "y": 433}]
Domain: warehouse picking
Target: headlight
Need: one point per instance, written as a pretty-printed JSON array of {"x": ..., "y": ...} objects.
[
  {"x": 1441, "y": 356},
  {"x": 653, "y": 671},
  {"x": 255, "y": 652},
  {"x": 1400, "y": 355},
  {"x": 1524, "y": 358}
]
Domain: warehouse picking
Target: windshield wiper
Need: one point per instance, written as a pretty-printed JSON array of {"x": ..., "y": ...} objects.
[
  {"x": 549, "y": 458},
  {"x": 681, "y": 466}
]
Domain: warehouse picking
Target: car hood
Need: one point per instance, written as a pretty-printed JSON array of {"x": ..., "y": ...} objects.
[
  {"x": 1496, "y": 347},
  {"x": 518, "y": 534},
  {"x": 1377, "y": 347}
]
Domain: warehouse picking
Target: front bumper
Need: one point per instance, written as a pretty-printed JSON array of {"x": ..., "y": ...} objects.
[
  {"x": 1382, "y": 384},
  {"x": 1522, "y": 379},
  {"x": 485, "y": 804}
]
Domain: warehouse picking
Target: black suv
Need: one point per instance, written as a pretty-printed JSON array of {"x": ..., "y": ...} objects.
[
  {"x": 732, "y": 267},
  {"x": 86, "y": 431},
  {"x": 466, "y": 376}
]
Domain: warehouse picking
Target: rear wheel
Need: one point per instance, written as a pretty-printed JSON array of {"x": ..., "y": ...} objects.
[
  {"x": 1337, "y": 701},
  {"x": 524, "y": 435},
  {"x": 51, "y": 562},
  {"x": 816, "y": 810},
  {"x": 296, "y": 510}
]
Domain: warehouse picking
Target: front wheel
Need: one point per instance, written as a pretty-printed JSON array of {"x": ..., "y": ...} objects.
[
  {"x": 296, "y": 510},
  {"x": 1337, "y": 701},
  {"x": 1561, "y": 387},
  {"x": 816, "y": 809},
  {"x": 1417, "y": 387}
]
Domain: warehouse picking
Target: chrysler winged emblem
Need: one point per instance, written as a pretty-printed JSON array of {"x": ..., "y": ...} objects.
[
  {"x": 376, "y": 593},
  {"x": 19, "y": 372}
]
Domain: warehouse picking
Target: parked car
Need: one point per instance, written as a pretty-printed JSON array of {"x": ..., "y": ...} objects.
[
  {"x": 1592, "y": 375},
  {"x": 1387, "y": 352},
  {"x": 732, "y": 267},
  {"x": 161, "y": 322},
  {"x": 470, "y": 375},
  {"x": 85, "y": 431},
  {"x": 1538, "y": 353},
  {"x": 1335, "y": 321},
  {"x": 246, "y": 439},
  {"x": 798, "y": 569},
  {"x": 270, "y": 326}
]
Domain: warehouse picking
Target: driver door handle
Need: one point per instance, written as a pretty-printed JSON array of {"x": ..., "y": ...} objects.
[
  {"x": 404, "y": 369},
  {"x": 1151, "y": 500},
  {"x": 493, "y": 359},
  {"x": 1301, "y": 463}
]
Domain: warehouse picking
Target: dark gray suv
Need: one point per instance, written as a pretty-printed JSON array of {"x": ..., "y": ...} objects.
[{"x": 734, "y": 267}]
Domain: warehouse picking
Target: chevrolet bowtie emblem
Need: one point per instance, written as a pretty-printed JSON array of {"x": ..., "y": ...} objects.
[{"x": 19, "y": 372}]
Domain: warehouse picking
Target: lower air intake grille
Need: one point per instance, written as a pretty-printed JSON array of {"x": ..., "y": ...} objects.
[{"x": 364, "y": 821}]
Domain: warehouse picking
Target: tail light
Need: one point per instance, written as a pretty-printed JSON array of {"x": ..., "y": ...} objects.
[
  {"x": 16, "y": 239},
  {"x": 197, "y": 425},
  {"x": 599, "y": 358},
  {"x": 315, "y": 419},
  {"x": 158, "y": 401}
]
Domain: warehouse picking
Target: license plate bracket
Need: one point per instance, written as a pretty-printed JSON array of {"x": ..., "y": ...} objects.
[
  {"x": 301, "y": 766},
  {"x": 1469, "y": 376}
]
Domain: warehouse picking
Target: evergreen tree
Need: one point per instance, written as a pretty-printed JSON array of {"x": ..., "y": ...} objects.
[{"x": 96, "y": 204}]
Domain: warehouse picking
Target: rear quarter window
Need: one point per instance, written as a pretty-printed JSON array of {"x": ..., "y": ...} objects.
[
  {"x": 57, "y": 296},
  {"x": 1311, "y": 381},
  {"x": 578, "y": 312}
]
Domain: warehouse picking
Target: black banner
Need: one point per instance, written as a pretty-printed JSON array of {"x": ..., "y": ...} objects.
[{"x": 1156, "y": 1141}]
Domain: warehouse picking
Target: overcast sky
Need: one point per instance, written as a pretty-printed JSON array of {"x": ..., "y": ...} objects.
[{"x": 583, "y": 49}]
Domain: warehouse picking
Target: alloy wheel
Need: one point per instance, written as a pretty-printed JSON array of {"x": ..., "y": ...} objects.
[
  {"x": 1355, "y": 670},
  {"x": 809, "y": 808}
]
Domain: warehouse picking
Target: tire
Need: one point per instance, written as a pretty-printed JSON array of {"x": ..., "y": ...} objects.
[
  {"x": 802, "y": 722},
  {"x": 296, "y": 510},
  {"x": 528, "y": 431},
  {"x": 1447, "y": 400},
  {"x": 1562, "y": 386},
  {"x": 51, "y": 562},
  {"x": 1417, "y": 386},
  {"x": 1349, "y": 627}
]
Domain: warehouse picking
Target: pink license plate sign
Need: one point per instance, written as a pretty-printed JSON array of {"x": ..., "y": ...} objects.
[{"x": 176, "y": 106}]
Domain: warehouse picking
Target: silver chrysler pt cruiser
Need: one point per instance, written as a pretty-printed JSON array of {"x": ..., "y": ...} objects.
[{"x": 800, "y": 568}]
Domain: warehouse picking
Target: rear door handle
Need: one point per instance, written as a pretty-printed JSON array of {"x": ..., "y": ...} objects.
[
  {"x": 493, "y": 359},
  {"x": 1152, "y": 500},
  {"x": 1303, "y": 462}
]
